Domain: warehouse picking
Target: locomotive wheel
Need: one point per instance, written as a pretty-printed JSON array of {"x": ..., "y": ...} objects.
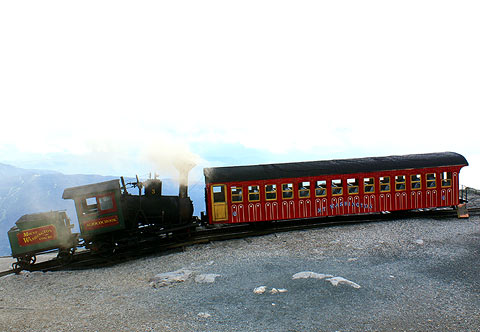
[
  {"x": 28, "y": 260},
  {"x": 184, "y": 234},
  {"x": 32, "y": 259},
  {"x": 106, "y": 249},
  {"x": 23, "y": 263},
  {"x": 16, "y": 267},
  {"x": 66, "y": 254}
]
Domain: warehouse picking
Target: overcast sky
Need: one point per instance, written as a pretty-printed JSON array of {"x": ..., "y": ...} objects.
[{"x": 111, "y": 86}]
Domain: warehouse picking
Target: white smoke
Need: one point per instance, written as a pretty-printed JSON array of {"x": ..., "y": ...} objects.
[
  {"x": 169, "y": 157},
  {"x": 140, "y": 155}
]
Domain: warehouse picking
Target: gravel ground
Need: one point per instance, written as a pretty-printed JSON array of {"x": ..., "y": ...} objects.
[{"x": 414, "y": 275}]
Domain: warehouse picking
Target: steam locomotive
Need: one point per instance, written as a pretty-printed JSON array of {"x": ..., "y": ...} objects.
[{"x": 110, "y": 218}]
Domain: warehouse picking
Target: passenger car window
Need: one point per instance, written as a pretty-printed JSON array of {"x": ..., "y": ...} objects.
[
  {"x": 270, "y": 192},
  {"x": 431, "y": 180},
  {"x": 219, "y": 194},
  {"x": 446, "y": 178},
  {"x": 304, "y": 189},
  {"x": 352, "y": 185},
  {"x": 369, "y": 185},
  {"x": 400, "y": 183},
  {"x": 287, "y": 190},
  {"x": 337, "y": 187},
  {"x": 321, "y": 188},
  {"x": 253, "y": 193},
  {"x": 384, "y": 183},
  {"x": 237, "y": 195},
  {"x": 416, "y": 181}
]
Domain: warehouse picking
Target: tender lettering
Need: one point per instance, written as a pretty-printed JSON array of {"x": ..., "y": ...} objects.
[
  {"x": 99, "y": 223},
  {"x": 37, "y": 235}
]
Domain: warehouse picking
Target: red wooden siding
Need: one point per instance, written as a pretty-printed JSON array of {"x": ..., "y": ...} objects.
[{"x": 417, "y": 194}]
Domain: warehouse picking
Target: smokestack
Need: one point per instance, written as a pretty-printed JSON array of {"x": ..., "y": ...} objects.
[{"x": 183, "y": 169}]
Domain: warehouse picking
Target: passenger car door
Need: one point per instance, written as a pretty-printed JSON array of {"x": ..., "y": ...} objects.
[{"x": 219, "y": 202}]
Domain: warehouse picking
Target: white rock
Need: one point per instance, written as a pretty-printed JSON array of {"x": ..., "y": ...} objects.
[
  {"x": 419, "y": 241},
  {"x": 260, "y": 289},
  {"x": 168, "y": 278},
  {"x": 277, "y": 290},
  {"x": 206, "y": 278},
  {"x": 309, "y": 274},
  {"x": 204, "y": 314},
  {"x": 335, "y": 281}
]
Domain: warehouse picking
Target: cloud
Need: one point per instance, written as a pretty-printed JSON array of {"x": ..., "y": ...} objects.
[{"x": 98, "y": 79}]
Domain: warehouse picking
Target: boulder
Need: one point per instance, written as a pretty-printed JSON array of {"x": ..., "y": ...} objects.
[
  {"x": 204, "y": 314},
  {"x": 339, "y": 280},
  {"x": 168, "y": 278},
  {"x": 260, "y": 289},
  {"x": 309, "y": 274},
  {"x": 206, "y": 278},
  {"x": 278, "y": 290}
]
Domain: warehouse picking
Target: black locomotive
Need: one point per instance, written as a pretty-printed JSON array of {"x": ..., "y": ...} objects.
[{"x": 110, "y": 219}]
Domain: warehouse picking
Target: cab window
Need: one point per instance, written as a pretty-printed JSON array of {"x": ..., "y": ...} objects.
[
  {"x": 105, "y": 203},
  {"x": 89, "y": 205}
]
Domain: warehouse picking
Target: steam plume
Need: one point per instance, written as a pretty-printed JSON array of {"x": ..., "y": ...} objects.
[{"x": 171, "y": 158}]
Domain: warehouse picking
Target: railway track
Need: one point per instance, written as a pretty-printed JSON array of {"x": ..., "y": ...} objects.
[{"x": 86, "y": 259}]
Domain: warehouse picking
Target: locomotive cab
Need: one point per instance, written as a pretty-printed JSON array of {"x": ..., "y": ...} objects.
[
  {"x": 98, "y": 206},
  {"x": 106, "y": 213}
]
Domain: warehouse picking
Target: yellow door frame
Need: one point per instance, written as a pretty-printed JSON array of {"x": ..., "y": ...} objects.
[{"x": 219, "y": 208}]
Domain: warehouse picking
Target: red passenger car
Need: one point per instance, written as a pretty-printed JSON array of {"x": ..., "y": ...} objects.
[{"x": 334, "y": 187}]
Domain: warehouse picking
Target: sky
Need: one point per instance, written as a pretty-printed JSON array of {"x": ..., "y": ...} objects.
[{"x": 127, "y": 87}]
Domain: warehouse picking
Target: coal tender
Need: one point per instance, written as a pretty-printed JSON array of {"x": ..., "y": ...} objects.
[{"x": 39, "y": 233}]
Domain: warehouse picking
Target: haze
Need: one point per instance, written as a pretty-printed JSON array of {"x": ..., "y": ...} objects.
[{"x": 96, "y": 86}]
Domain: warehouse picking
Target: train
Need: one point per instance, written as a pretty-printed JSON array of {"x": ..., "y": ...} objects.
[{"x": 111, "y": 218}]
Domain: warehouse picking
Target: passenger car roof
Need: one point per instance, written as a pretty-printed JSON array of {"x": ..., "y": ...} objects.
[
  {"x": 70, "y": 193},
  {"x": 331, "y": 167}
]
